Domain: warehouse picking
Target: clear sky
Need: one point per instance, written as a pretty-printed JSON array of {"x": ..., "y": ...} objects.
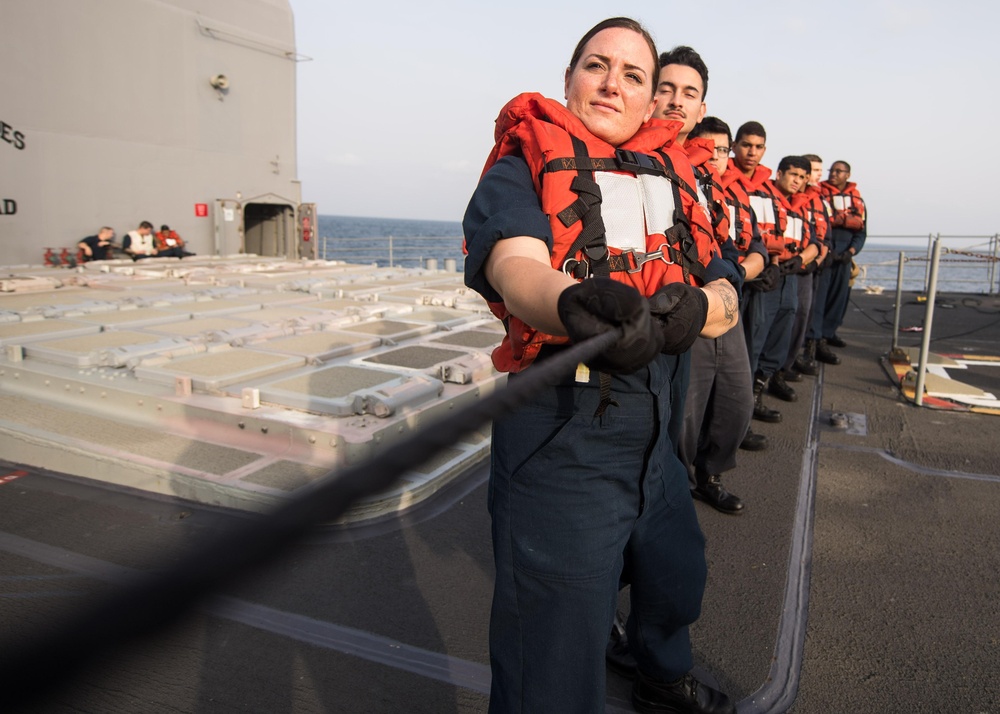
[{"x": 396, "y": 109}]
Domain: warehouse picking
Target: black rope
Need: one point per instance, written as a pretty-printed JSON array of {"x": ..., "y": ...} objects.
[{"x": 153, "y": 600}]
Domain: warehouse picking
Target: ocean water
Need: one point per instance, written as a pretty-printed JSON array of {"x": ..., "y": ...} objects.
[
  {"x": 971, "y": 271},
  {"x": 410, "y": 243},
  {"x": 389, "y": 241}
]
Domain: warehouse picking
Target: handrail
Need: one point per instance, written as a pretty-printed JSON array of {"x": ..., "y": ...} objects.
[
  {"x": 394, "y": 250},
  {"x": 957, "y": 272},
  {"x": 397, "y": 251}
]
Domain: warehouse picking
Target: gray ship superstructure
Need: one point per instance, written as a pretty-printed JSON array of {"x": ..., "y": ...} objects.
[{"x": 179, "y": 112}]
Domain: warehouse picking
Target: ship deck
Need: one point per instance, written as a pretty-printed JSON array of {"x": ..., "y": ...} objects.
[{"x": 862, "y": 576}]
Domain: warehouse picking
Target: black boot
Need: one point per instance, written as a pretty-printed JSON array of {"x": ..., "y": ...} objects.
[
  {"x": 790, "y": 375},
  {"x": 686, "y": 694},
  {"x": 806, "y": 362},
  {"x": 753, "y": 442},
  {"x": 825, "y": 354},
  {"x": 779, "y": 388},
  {"x": 711, "y": 491},
  {"x": 760, "y": 411}
]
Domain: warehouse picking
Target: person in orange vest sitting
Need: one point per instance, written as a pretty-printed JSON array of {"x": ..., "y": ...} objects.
[{"x": 169, "y": 244}]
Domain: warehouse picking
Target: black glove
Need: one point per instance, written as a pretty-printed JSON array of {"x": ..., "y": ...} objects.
[
  {"x": 598, "y": 305},
  {"x": 767, "y": 279},
  {"x": 791, "y": 265},
  {"x": 845, "y": 258},
  {"x": 681, "y": 312}
]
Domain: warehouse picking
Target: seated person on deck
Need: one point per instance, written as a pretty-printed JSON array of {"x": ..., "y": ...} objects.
[
  {"x": 168, "y": 243},
  {"x": 140, "y": 243},
  {"x": 98, "y": 247}
]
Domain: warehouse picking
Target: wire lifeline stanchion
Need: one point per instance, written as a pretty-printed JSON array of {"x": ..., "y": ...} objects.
[
  {"x": 927, "y": 265},
  {"x": 994, "y": 244},
  {"x": 925, "y": 343},
  {"x": 153, "y": 600},
  {"x": 899, "y": 301}
]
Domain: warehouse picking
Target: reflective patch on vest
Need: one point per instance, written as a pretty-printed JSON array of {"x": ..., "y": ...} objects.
[
  {"x": 841, "y": 203},
  {"x": 627, "y": 200},
  {"x": 661, "y": 211},
  {"x": 793, "y": 228},
  {"x": 764, "y": 208},
  {"x": 732, "y": 222},
  {"x": 621, "y": 210}
]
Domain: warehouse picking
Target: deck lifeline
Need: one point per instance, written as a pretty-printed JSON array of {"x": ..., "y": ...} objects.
[{"x": 237, "y": 381}]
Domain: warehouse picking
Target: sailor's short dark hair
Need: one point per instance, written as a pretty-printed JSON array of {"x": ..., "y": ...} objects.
[{"x": 712, "y": 125}]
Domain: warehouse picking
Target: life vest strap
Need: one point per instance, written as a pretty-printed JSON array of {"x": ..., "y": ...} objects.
[
  {"x": 588, "y": 196},
  {"x": 631, "y": 261},
  {"x": 713, "y": 194},
  {"x": 624, "y": 160}
]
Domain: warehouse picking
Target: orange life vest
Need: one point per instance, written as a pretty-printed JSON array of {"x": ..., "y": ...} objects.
[
  {"x": 700, "y": 151},
  {"x": 770, "y": 215},
  {"x": 740, "y": 223},
  {"x": 818, "y": 212},
  {"x": 629, "y": 212},
  {"x": 163, "y": 239},
  {"x": 795, "y": 237},
  {"x": 847, "y": 206}
]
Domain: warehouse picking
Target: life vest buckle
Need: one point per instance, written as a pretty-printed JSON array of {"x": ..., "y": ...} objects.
[
  {"x": 596, "y": 251},
  {"x": 635, "y": 260},
  {"x": 637, "y": 163},
  {"x": 663, "y": 253}
]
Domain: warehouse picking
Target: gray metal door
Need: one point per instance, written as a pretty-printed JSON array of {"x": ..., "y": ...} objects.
[{"x": 228, "y": 227}]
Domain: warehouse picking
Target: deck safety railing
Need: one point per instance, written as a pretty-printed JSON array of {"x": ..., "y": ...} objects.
[
  {"x": 967, "y": 263},
  {"x": 933, "y": 264},
  {"x": 394, "y": 251}
]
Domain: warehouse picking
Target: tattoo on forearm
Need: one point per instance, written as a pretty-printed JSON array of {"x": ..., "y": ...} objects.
[{"x": 729, "y": 303}]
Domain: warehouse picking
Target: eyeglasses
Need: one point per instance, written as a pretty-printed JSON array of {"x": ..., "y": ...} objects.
[{"x": 722, "y": 150}]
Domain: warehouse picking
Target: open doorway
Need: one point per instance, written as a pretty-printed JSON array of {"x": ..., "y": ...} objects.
[{"x": 269, "y": 229}]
